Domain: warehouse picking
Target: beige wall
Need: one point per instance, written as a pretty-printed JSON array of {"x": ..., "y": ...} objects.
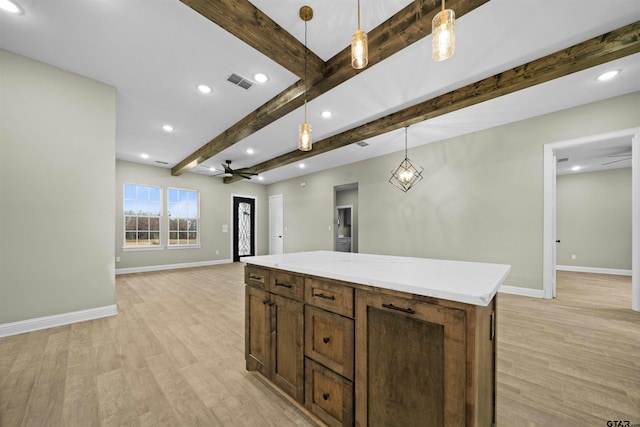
[
  {"x": 593, "y": 219},
  {"x": 57, "y": 149},
  {"x": 215, "y": 211},
  {"x": 481, "y": 198}
]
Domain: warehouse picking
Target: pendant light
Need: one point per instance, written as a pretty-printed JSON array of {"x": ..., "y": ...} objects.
[
  {"x": 359, "y": 47},
  {"x": 407, "y": 174},
  {"x": 443, "y": 32},
  {"x": 304, "y": 137}
]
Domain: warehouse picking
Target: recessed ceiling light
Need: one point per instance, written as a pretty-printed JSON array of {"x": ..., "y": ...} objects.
[
  {"x": 250, "y": 151},
  {"x": 260, "y": 78},
  {"x": 326, "y": 114},
  {"x": 302, "y": 166},
  {"x": 576, "y": 168},
  {"x": 204, "y": 89},
  {"x": 11, "y": 7},
  {"x": 212, "y": 169},
  {"x": 167, "y": 128},
  {"x": 608, "y": 75},
  {"x": 261, "y": 178},
  {"x": 144, "y": 155}
]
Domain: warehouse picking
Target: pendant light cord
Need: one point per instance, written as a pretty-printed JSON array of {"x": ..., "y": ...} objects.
[
  {"x": 359, "y": 14},
  {"x": 406, "y": 153},
  {"x": 305, "y": 71}
]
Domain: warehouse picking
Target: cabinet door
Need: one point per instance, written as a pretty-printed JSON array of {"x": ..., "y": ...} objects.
[
  {"x": 287, "y": 352},
  {"x": 410, "y": 362},
  {"x": 257, "y": 329}
]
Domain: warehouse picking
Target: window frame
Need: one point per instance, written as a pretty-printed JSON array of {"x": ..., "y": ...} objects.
[
  {"x": 137, "y": 216},
  {"x": 197, "y": 231}
]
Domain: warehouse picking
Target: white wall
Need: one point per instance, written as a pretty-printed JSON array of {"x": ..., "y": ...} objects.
[
  {"x": 57, "y": 150},
  {"x": 593, "y": 219},
  {"x": 481, "y": 198},
  {"x": 215, "y": 211}
]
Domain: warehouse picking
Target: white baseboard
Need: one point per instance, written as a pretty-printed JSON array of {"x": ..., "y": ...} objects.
[
  {"x": 170, "y": 266},
  {"x": 525, "y": 292},
  {"x": 576, "y": 268},
  {"x": 30, "y": 325}
]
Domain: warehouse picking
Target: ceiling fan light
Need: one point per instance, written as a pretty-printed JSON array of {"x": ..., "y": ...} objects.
[
  {"x": 443, "y": 31},
  {"x": 359, "y": 50},
  {"x": 305, "y": 137}
]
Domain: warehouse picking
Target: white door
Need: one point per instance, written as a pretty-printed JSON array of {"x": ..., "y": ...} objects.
[{"x": 276, "y": 224}]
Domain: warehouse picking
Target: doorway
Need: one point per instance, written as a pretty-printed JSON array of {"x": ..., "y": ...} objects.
[
  {"x": 345, "y": 211},
  {"x": 244, "y": 227},
  {"x": 344, "y": 222},
  {"x": 549, "y": 218}
]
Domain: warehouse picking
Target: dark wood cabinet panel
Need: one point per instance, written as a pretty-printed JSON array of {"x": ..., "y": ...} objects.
[
  {"x": 287, "y": 351},
  {"x": 410, "y": 362},
  {"x": 328, "y": 395},
  {"x": 257, "y": 329},
  {"x": 287, "y": 285},
  {"x": 329, "y": 339},
  {"x": 329, "y": 296}
]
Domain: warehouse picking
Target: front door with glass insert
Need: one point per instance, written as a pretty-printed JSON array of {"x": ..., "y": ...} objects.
[{"x": 243, "y": 227}]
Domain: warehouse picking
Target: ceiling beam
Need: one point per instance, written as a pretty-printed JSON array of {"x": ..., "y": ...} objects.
[
  {"x": 409, "y": 25},
  {"x": 598, "y": 50},
  {"x": 248, "y": 23}
]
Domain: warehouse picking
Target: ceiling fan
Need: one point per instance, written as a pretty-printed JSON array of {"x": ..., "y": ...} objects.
[
  {"x": 626, "y": 156},
  {"x": 243, "y": 172}
]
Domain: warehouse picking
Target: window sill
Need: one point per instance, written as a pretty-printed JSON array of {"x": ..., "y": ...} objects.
[
  {"x": 184, "y": 246},
  {"x": 142, "y": 248}
]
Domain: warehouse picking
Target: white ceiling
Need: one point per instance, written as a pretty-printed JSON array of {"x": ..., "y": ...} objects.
[{"x": 155, "y": 52}]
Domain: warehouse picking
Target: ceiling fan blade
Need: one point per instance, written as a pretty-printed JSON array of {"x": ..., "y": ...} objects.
[
  {"x": 243, "y": 175},
  {"x": 616, "y": 161},
  {"x": 245, "y": 171}
]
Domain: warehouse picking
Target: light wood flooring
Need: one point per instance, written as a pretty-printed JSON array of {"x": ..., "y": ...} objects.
[{"x": 174, "y": 355}]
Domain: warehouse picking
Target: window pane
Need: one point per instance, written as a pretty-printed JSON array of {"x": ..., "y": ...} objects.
[
  {"x": 193, "y": 197},
  {"x": 154, "y": 224},
  {"x": 130, "y": 238},
  {"x": 129, "y": 223},
  {"x": 193, "y": 238},
  {"x": 172, "y": 210},
  {"x": 143, "y": 223},
  {"x": 143, "y": 238},
  {"x": 155, "y": 238},
  {"x": 193, "y": 225},
  {"x": 182, "y": 224},
  {"x": 173, "y": 224},
  {"x": 154, "y": 194},
  {"x": 142, "y": 192},
  {"x": 143, "y": 207},
  {"x": 130, "y": 207},
  {"x": 154, "y": 208},
  {"x": 173, "y": 195},
  {"x": 173, "y": 238},
  {"x": 129, "y": 192}
]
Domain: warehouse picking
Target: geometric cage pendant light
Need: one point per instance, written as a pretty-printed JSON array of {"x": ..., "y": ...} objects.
[
  {"x": 304, "y": 135},
  {"x": 443, "y": 32},
  {"x": 408, "y": 173}
]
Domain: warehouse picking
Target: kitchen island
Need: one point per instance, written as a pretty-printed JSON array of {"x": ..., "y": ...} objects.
[{"x": 376, "y": 340}]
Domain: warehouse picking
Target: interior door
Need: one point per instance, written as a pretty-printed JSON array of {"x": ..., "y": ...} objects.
[
  {"x": 244, "y": 227},
  {"x": 276, "y": 224},
  {"x": 553, "y": 228}
]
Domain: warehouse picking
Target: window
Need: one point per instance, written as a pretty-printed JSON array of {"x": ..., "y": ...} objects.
[
  {"x": 142, "y": 208},
  {"x": 184, "y": 214}
]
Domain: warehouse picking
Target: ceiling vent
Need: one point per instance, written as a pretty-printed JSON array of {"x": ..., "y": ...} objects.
[
  {"x": 564, "y": 159},
  {"x": 362, "y": 143},
  {"x": 161, "y": 162},
  {"x": 240, "y": 81}
]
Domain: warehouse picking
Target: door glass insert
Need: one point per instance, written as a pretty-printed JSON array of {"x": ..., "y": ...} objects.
[{"x": 244, "y": 229}]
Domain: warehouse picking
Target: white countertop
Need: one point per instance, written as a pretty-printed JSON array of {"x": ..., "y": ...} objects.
[{"x": 468, "y": 282}]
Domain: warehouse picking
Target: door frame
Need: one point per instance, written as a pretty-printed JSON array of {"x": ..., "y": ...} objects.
[
  {"x": 336, "y": 225},
  {"x": 549, "y": 217},
  {"x": 255, "y": 218}
]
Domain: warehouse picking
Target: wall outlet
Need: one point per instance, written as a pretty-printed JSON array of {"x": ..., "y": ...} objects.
[
  {"x": 117, "y": 259},
  {"x": 573, "y": 257},
  {"x": 217, "y": 252}
]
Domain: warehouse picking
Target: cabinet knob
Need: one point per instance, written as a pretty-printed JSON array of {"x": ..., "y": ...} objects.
[
  {"x": 326, "y": 340},
  {"x": 325, "y": 396}
]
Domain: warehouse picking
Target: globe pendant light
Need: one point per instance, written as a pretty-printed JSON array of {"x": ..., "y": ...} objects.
[
  {"x": 443, "y": 32},
  {"x": 407, "y": 174},
  {"x": 359, "y": 47},
  {"x": 304, "y": 137}
]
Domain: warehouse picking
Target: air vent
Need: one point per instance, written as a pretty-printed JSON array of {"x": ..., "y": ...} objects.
[
  {"x": 565, "y": 159},
  {"x": 240, "y": 81},
  {"x": 162, "y": 163},
  {"x": 362, "y": 143}
]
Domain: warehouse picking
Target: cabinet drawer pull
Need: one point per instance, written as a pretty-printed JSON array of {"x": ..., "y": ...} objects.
[
  {"x": 266, "y": 301},
  {"x": 325, "y": 396},
  {"x": 331, "y": 297},
  {"x": 256, "y": 277},
  {"x": 284, "y": 285},
  {"x": 326, "y": 340},
  {"x": 404, "y": 310}
]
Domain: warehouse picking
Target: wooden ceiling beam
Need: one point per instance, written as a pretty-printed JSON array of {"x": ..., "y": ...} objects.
[
  {"x": 598, "y": 50},
  {"x": 409, "y": 25},
  {"x": 248, "y": 23}
]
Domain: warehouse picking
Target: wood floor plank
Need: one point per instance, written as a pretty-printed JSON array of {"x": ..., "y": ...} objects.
[{"x": 174, "y": 355}]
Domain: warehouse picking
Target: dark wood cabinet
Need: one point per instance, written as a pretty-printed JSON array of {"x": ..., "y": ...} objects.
[
  {"x": 274, "y": 330},
  {"x": 369, "y": 356}
]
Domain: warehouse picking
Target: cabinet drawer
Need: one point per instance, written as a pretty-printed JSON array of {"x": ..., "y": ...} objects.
[
  {"x": 329, "y": 339},
  {"x": 256, "y": 276},
  {"x": 328, "y": 395},
  {"x": 329, "y": 296},
  {"x": 287, "y": 285}
]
